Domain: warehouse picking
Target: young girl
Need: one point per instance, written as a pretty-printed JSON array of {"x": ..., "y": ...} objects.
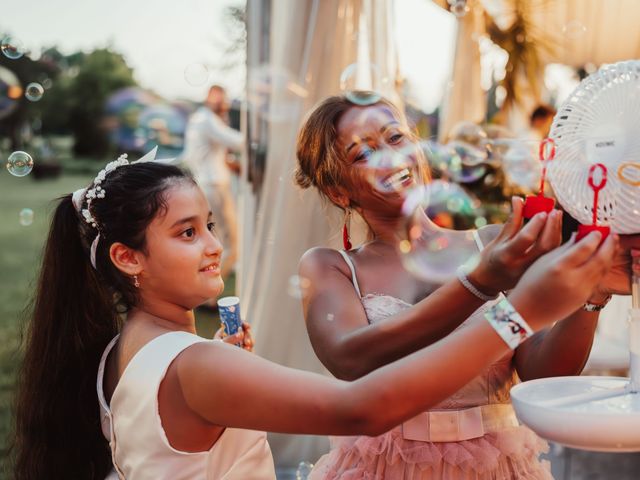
[
  {"x": 140, "y": 243},
  {"x": 382, "y": 313}
]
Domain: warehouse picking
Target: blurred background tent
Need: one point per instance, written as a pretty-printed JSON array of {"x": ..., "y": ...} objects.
[{"x": 307, "y": 44}]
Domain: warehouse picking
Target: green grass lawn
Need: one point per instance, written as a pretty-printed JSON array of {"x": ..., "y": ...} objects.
[{"x": 20, "y": 249}]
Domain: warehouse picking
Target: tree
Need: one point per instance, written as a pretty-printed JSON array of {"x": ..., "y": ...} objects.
[{"x": 99, "y": 74}]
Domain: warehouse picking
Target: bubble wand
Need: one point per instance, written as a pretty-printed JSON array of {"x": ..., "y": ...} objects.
[
  {"x": 584, "y": 230},
  {"x": 539, "y": 203}
]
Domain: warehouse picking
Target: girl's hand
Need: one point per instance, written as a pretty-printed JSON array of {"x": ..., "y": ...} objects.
[
  {"x": 242, "y": 337},
  {"x": 507, "y": 257},
  {"x": 561, "y": 281}
]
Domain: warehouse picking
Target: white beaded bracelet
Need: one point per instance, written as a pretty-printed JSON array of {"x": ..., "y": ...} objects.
[
  {"x": 509, "y": 324},
  {"x": 462, "y": 276}
]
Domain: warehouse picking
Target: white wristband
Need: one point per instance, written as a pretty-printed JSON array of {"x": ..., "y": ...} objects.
[
  {"x": 464, "y": 280},
  {"x": 508, "y": 323}
]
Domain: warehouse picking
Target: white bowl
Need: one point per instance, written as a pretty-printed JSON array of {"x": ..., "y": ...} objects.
[{"x": 606, "y": 425}]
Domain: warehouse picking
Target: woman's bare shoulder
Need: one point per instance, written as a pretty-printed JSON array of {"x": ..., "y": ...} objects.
[{"x": 318, "y": 261}]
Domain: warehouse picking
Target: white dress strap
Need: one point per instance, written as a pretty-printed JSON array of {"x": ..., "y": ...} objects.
[
  {"x": 353, "y": 271},
  {"x": 100, "y": 380},
  {"x": 106, "y": 422},
  {"x": 478, "y": 240}
]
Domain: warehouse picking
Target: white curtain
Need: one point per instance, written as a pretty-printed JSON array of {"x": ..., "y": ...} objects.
[
  {"x": 314, "y": 40},
  {"x": 579, "y": 32},
  {"x": 464, "y": 98},
  {"x": 582, "y": 31}
]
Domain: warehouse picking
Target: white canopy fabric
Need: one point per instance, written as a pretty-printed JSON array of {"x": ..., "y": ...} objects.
[
  {"x": 576, "y": 32},
  {"x": 314, "y": 40},
  {"x": 580, "y": 31},
  {"x": 464, "y": 98}
]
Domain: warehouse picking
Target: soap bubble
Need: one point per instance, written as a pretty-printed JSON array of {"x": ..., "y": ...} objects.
[
  {"x": 521, "y": 164},
  {"x": 26, "y": 217},
  {"x": 574, "y": 29},
  {"x": 430, "y": 252},
  {"x": 12, "y": 48},
  {"x": 459, "y": 8},
  {"x": 196, "y": 74},
  {"x": 304, "y": 470},
  {"x": 465, "y": 163},
  {"x": 393, "y": 170},
  {"x": 273, "y": 94},
  {"x": 469, "y": 133},
  {"x": 363, "y": 83},
  {"x": 34, "y": 92},
  {"x": 298, "y": 287},
  {"x": 10, "y": 92},
  {"x": 19, "y": 164}
]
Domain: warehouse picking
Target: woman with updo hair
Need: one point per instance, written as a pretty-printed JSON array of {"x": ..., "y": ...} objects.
[{"x": 379, "y": 312}]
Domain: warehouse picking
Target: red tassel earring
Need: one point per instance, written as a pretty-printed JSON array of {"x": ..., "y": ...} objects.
[{"x": 346, "y": 241}]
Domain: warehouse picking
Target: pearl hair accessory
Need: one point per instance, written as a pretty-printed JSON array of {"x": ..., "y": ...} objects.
[{"x": 95, "y": 191}]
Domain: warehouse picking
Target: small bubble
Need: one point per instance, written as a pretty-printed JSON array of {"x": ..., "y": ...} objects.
[
  {"x": 392, "y": 170},
  {"x": 19, "y": 164},
  {"x": 273, "y": 93},
  {"x": 12, "y": 47},
  {"x": 455, "y": 204},
  {"x": 330, "y": 317},
  {"x": 363, "y": 83},
  {"x": 298, "y": 286},
  {"x": 574, "y": 29},
  {"x": 460, "y": 8},
  {"x": 480, "y": 222},
  {"x": 196, "y": 74},
  {"x": 26, "y": 217},
  {"x": 304, "y": 470},
  {"x": 34, "y": 92}
]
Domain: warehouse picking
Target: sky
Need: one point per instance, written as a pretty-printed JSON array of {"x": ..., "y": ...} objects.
[{"x": 160, "y": 39}]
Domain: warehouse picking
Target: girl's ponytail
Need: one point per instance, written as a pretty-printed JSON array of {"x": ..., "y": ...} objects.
[
  {"x": 75, "y": 315},
  {"x": 57, "y": 418}
]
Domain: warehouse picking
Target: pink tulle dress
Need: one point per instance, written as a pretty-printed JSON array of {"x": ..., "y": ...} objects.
[{"x": 472, "y": 435}]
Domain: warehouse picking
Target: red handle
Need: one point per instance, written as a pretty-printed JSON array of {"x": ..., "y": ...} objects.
[{"x": 598, "y": 187}]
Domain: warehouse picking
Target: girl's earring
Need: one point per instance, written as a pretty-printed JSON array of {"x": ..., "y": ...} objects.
[
  {"x": 346, "y": 240},
  {"x": 136, "y": 283}
]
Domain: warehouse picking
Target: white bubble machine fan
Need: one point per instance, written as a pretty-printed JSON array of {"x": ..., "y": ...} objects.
[{"x": 598, "y": 124}]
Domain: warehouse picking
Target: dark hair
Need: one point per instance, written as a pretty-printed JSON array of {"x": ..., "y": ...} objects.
[
  {"x": 75, "y": 315},
  {"x": 542, "y": 112}
]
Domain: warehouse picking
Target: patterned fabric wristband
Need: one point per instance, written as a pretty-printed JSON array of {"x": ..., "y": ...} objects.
[
  {"x": 508, "y": 323},
  {"x": 464, "y": 280}
]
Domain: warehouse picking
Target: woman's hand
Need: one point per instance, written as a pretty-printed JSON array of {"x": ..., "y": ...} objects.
[
  {"x": 561, "y": 281},
  {"x": 505, "y": 259},
  {"x": 618, "y": 278},
  {"x": 242, "y": 337}
]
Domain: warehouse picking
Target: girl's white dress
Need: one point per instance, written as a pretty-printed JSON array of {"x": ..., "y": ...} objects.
[{"x": 139, "y": 447}]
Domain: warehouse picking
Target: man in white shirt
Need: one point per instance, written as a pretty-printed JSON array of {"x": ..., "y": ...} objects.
[{"x": 207, "y": 141}]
